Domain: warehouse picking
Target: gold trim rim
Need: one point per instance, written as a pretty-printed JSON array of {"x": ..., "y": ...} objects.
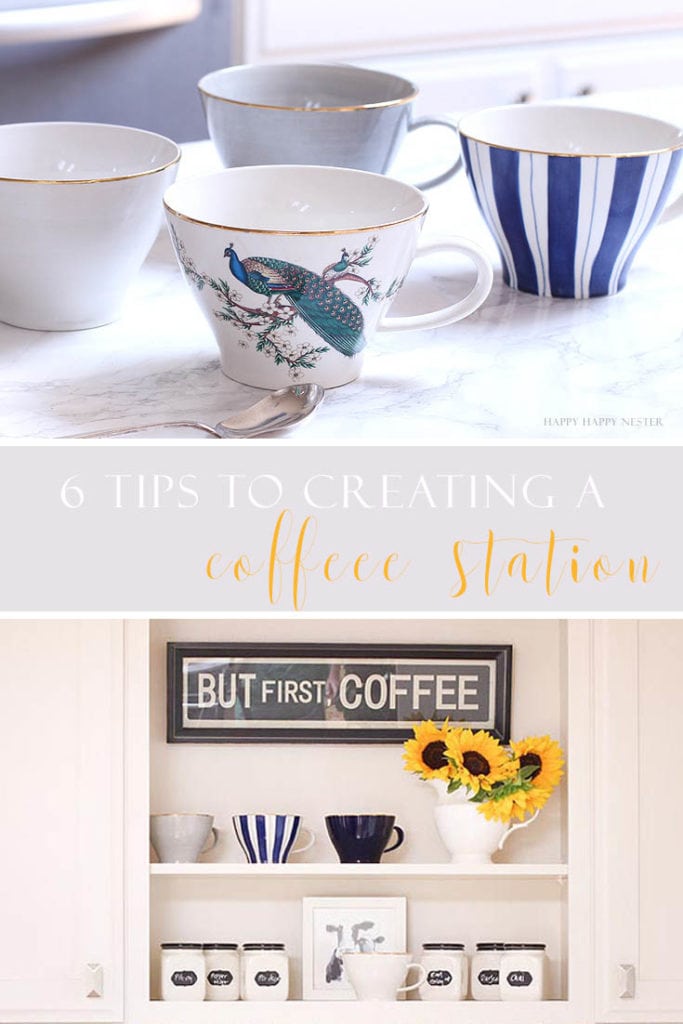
[
  {"x": 312, "y": 110},
  {"x": 94, "y": 181},
  {"x": 579, "y": 156},
  {"x": 334, "y": 109},
  {"x": 294, "y": 234},
  {"x": 565, "y": 106}
]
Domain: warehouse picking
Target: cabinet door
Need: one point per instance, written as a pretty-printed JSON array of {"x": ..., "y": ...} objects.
[
  {"x": 639, "y": 883},
  {"x": 61, "y": 696}
]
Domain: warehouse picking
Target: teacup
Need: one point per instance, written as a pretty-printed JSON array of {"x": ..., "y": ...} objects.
[
  {"x": 363, "y": 838},
  {"x": 334, "y": 115},
  {"x": 380, "y": 976},
  {"x": 569, "y": 192},
  {"x": 80, "y": 206},
  {"x": 270, "y": 838},
  {"x": 294, "y": 267},
  {"x": 181, "y": 838}
]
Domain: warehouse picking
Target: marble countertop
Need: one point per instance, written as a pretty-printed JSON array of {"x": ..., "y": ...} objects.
[{"x": 520, "y": 368}]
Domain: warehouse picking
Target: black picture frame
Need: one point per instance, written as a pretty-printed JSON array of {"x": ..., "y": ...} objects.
[{"x": 180, "y": 658}]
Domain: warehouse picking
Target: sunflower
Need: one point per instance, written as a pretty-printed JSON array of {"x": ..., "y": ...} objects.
[
  {"x": 479, "y": 759},
  {"x": 545, "y": 757},
  {"x": 425, "y": 754},
  {"x": 513, "y": 805}
]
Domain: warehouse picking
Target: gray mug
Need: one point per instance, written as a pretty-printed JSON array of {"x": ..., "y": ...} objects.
[
  {"x": 332, "y": 115},
  {"x": 181, "y": 838}
]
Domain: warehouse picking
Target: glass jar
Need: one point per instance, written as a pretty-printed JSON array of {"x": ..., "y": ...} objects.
[
  {"x": 222, "y": 971},
  {"x": 485, "y": 970},
  {"x": 182, "y": 971},
  {"x": 265, "y": 971},
  {"x": 522, "y": 971},
  {"x": 445, "y": 965}
]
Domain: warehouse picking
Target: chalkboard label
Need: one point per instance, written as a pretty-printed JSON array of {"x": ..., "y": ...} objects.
[
  {"x": 266, "y": 979},
  {"x": 219, "y": 978},
  {"x": 519, "y": 979},
  {"x": 439, "y": 978},
  {"x": 184, "y": 978},
  {"x": 489, "y": 977}
]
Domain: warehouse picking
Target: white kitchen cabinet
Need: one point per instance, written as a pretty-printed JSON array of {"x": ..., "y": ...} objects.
[
  {"x": 638, "y": 822},
  {"x": 61, "y": 885},
  {"x": 305, "y": 29},
  {"x": 542, "y": 889},
  {"x": 465, "y": 57}
]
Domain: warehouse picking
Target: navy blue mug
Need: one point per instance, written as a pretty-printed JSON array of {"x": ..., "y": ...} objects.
[{"x": 363, "y": 838}]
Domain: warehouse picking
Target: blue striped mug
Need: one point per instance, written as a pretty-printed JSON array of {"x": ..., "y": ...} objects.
[
  {"x": 270, "y": 838},
  {"x": 569, "y": 192}
]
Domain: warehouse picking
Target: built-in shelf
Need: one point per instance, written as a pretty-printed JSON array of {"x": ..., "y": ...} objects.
[
  {"x": 406, "y": 1012},
  {"x": 333, "y": 870}
]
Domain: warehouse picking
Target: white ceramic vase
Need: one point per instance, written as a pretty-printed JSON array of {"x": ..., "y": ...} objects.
[{"x": 467, "y": 835}]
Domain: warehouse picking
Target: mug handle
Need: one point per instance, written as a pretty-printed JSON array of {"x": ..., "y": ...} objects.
[
  {"x": 214, "y": 835},
  {"x": 422, "y": 122},
  {"x": 673, "y": 210},
  {"x": 307, "y": 845},
  {"x": 423, "y": 978},
  {"x": 458, "y": 310},
  {"x": 401, "y": 836}
]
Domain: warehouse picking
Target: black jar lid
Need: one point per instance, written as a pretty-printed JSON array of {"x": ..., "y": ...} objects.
[
  {"x": 251, "y": 947},
  {"x": 219, "y": 945},
  {"x": 181, "y": 945},
  {"x": 443, "y": 945},
  {"x": 483, "y": 947},
  {"x": 524, "y": 945}
]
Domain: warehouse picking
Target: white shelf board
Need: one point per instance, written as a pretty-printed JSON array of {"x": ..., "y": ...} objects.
[
  {"x": 405, "y": 1012},
  {"x": 333, "y": 870}
]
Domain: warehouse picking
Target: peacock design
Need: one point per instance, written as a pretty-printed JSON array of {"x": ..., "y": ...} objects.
[{"x": 290, "y": 292}]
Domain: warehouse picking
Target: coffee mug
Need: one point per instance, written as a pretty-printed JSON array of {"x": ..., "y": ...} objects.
[
  {"x": 80, "y": 206},
  {"x": 270, "y": 838},
  {"x": 569, "y": 192},
  {"x": 181, "y": 838},
  {"x": 334, "y": 115},
  {"x": 363, "y": 838},
  {"x": 380, "y": 976},
  {"x": 294, "y": 267}
]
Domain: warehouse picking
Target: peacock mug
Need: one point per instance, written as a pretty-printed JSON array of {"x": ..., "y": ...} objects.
[
  {"x": 335, "y": 115},
  {"x": 295, "y": 267}
]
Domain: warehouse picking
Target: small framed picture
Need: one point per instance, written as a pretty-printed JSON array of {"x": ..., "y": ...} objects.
[{"x": 332, "y": 925}]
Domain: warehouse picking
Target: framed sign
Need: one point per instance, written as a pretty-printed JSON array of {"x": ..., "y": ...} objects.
[
  {"x": 334, "y": 925},
  {"x": 336, "y": 693}
]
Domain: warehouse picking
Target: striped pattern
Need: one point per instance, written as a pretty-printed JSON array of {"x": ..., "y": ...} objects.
[
  {"x": 568, "y": 226},
  {"x": 266, "y": 838}
]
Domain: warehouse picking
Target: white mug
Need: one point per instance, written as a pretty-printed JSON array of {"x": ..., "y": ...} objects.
[
  {"x": 294, "y": 267},
  {"x": 380, "y": 976},
  {"x": 181, "y": 838},
  {"x": 80, "y": 206}
]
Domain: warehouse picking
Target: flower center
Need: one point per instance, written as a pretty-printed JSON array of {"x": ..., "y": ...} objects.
[
  {"x": 475, "y": 763},
  {"x": 432, "y": 755},
  {"x": 531, "y": 761}
]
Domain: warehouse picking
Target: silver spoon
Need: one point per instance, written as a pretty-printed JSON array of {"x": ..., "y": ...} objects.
[{"x": 277, "y": 410}]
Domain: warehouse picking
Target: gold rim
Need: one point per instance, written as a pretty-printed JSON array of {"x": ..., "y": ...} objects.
[
  {"x": 182, "y": 814},
  {"x": 97, "y": 181},
  {"x": 94, "y": 181},
  {"x": 312, "y": 110},
  {"x": 548, "y": 152},
  {"x": 308, "y": 234}
]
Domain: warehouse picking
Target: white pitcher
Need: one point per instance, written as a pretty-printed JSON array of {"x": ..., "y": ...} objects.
[{"x": 469, "y": 837}]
